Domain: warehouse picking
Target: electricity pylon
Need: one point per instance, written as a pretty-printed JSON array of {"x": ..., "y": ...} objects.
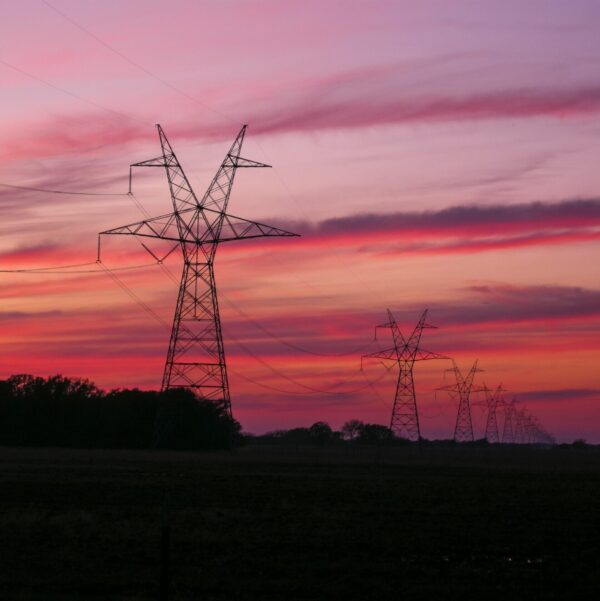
[
  {"x": 519, "y": 434},
  {"x": 463, "y": 429},
  {"x": 530, "y": 429},
  {"x": 196, "y": 356},
  {"x": 405, "y": 417},
  {"x": 493, "y": 399},
  {"x": 507, "y": 431}
]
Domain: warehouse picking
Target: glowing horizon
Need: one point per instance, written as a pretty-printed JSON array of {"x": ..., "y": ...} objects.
[{"x": 422, "y": 166}]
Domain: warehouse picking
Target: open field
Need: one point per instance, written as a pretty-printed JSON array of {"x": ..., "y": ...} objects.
[{"x": 302, "y": 524}]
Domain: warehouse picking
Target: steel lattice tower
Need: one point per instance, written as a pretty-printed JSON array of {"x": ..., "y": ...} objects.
[
  {"x": 196, "y": 356},
  {"x": 519, "y": 433},
  {"x": 493, "y": 399},
  {"x": 529, "y": 429},
  {"x": 507, "y": 431},
  {"x": 463, "y": 429},
  {"x": 405, "y": 417}
]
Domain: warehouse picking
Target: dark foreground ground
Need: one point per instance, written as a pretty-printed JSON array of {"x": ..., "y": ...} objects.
[{"x": 309, "y": 524}]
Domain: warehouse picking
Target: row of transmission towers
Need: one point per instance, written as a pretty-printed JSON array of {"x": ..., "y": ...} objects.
[
  {"x": 519, "y": 427},
  {"x": 196, "y": 353}
]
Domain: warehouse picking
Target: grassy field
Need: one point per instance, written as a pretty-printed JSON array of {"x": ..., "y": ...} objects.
[{"x": 302, "y": 524}]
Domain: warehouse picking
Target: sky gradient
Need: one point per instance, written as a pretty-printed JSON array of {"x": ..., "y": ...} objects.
[{"x": 432, "y": 155}]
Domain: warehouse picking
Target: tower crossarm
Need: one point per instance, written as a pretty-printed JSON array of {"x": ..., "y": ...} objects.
[
  {"x": 463, "y": 384},
  {"x": 493, "y": 398},
  {"x": 219, "y": 190},
  {"x": 415, "y": 337},
  {"x": 386, "y": 355},
  {"x": 237, "y": 228},
  {"x": 397, "y": 336},
  {"x": 165, "y": 227},
  {"x": 423, "y": 355},
  {"x": 468, "y": 381},
  {"x": 241, "y": 162},
  {"x": 156, "y": 162}
]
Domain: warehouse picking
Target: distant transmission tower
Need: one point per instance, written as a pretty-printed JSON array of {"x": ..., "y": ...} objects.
[
  {"x": 405, "y": 417},
  {"x": 463, "y": 429},
  {"x": 493, "y": 399},
  {"x": 508, "y": 436},
  {"x": 196, "y": 356},
  {"x": 519, "y": 433}
]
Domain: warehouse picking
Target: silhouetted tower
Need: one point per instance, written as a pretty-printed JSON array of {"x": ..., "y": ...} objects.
[
  {"x": 493, "y": 399},
  {"x": 507, "y": 430},
  {"x": 196, "y": 356},
  {"x": 405, "y": 417},
  {"x": 461, "y": 391},
  {"x": 529, "y": 427},
  {"x": 519, "y": 434}
]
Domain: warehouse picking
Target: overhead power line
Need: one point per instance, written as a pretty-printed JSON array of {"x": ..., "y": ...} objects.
[
  {"x": 138, "y": 66},
  {"x": 68, "y": 192},
  {"x": 72, "y": 94},
  {"x": 66, "y": 269}
]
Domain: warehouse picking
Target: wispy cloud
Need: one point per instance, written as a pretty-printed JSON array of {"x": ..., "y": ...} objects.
[
  {"x": 327, "y": 110},
  {"x": 483, "y": 310},
  {"x": 560, "y": 395},
  {"x": 471, "y": 219},
  {"x": 459, "y": 229},
  {"x": 354, "y": 99}
]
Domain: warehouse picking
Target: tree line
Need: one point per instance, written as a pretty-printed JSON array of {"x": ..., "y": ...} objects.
[
  {"x": 73, "y": 412},
  {"x": 321, "y": 433},
  {"x": 67, "y": 412}
]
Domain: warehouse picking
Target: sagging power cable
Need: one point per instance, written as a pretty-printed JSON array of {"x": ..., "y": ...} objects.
[{"x": 68, "y": 192}]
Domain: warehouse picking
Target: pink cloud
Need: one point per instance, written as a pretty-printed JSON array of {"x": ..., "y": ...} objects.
[
  {"x": 458, "y": 229},
  {"x": 490, "y": 244},
  {"x": 355, "y": 99},
  {"x": 322, "y": 113}
]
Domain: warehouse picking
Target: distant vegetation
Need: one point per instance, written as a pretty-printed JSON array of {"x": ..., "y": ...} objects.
[
  {"x": 321, "y": 433},
  {"x": 67, "y": 412}
]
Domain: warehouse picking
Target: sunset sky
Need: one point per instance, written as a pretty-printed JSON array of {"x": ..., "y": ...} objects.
[{"x": 432, "y": 154}]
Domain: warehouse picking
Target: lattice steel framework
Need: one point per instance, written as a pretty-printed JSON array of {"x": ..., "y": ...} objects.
[
  {"x": 196, "y": 355},
  {"x": 461, "y": 391},
  {"x": 519, "y": 431},
  {"x": 493, "y": 400},
  {"x": 508, "y": 435},
  {"x": 528, "y": 430},
  {"x": 404, "y": 421}
]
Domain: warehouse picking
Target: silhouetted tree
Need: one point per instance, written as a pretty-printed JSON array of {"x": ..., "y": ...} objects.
[
  {"x": 321, "y": 432},
  {"x": 185, "y": 422},
  {"x": 375, "y": 434},
  {"x": 60, "y": 411},
  {"x": 296, "y": 436},
  {"x": 352, "y": 428}
]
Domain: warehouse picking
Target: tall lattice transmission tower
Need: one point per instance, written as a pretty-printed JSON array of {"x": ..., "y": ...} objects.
[
  {"x": 196, "y": 355},
  {"x": 493, "y": 400},
  {"x": 508, "y": 435},
  {"x": 461, "y": 391},
  {"x": 519, "y": 430},
  {"x": 404, "y": 421}
]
